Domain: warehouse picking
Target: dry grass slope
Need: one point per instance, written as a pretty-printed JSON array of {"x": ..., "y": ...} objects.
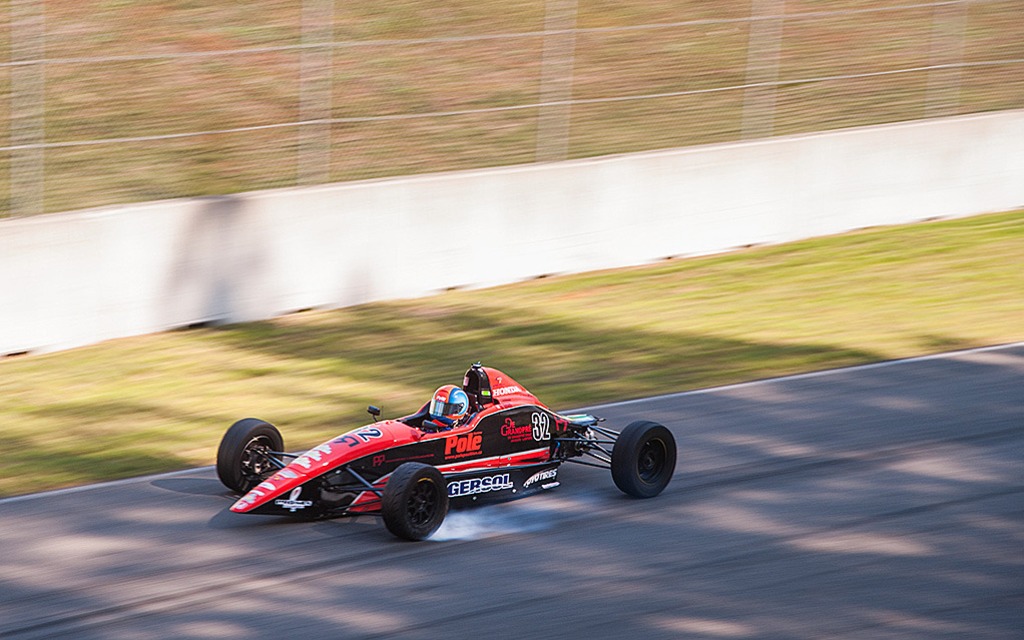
[{"x": 161, "y": 402}]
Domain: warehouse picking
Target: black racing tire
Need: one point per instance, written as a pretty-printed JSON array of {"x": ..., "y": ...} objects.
[
  {"x": 415, "y": 501},
  {"x": 643, "y": 459},
  {"x": 241, "y": 458}
]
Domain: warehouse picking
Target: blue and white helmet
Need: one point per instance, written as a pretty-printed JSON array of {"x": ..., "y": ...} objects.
[{"x": 450, "y": 404}]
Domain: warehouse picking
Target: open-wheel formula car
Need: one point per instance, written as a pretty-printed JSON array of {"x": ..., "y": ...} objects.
[{"x": 489, "y": 440}]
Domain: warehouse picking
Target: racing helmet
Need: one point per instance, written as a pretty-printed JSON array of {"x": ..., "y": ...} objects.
[{"x": 449, "y": 405}]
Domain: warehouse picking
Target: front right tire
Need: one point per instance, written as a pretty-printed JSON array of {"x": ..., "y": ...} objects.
[{"x": 643, "y": 459}]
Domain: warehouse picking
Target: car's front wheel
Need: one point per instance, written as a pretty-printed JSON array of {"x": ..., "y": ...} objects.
[
  {"x": 643, "y": 459},
  {"x": 244, "y": 458},
  {"x": 415, "y": 501}
]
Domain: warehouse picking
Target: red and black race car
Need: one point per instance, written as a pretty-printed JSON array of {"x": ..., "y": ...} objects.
[{"x": 506, "y": 444}]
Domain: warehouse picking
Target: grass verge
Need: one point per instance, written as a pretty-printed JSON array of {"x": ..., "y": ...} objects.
[{"x": 161, "y": 402}]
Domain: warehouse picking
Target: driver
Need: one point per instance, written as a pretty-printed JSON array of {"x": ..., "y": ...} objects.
[{"x": 449, "y": 406}]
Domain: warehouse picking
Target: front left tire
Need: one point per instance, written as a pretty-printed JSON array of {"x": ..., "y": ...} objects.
[
  {"x": 415, "y": 501},
  {"x": 244, "y": 454}
]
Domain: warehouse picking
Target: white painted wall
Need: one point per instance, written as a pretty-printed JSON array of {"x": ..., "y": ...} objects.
[{"x": 77, "y": 278}]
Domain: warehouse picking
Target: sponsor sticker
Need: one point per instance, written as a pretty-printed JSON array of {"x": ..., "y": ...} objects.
[
  {"x": 463, "y": 446},
  {"x": 472, "y": 486},
  {"x": 540, "y": 476},
  {"x": 382, "y": 459},
  {"x": 506, "y": 391},
  {"x": 539, "y": 429},
  {"x": 293, "y": 503},
  {"x": 516, "y": 433}
]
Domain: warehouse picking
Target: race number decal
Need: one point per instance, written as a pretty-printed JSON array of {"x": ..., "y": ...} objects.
[
  {"x": 360, "y": 435},
  {"x": 541, "y": 426}
]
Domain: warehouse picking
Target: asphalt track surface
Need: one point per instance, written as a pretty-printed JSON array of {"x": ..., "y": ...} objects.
[{"x": 874, "y": 502}]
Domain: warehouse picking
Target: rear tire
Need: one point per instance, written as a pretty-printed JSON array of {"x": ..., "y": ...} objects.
[
  {"x": 643, "y": 459},
  {"x": 243, "y": 456},
  {"x": 415, "y": 501}
]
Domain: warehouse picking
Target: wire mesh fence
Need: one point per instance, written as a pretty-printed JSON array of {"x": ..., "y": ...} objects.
[{"x": 133, "y": 100}]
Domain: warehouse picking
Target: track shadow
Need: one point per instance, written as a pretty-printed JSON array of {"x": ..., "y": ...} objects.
[{"x": 192, "y": 486}]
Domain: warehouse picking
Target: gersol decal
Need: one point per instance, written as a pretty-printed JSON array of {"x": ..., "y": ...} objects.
[{"x": 473, "y": 486}]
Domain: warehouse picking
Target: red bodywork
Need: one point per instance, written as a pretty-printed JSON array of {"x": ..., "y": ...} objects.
[{"x": 503, "y": 432}]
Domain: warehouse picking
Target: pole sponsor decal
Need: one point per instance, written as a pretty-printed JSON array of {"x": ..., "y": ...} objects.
[{"x": 463, "y": 446}]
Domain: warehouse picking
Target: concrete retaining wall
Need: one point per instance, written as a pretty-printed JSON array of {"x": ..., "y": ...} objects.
[{"x": 77, "y": 278}]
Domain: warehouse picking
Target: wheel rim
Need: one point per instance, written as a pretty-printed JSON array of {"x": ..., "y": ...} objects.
[
  {"x": 255, "y": 458},
  {"x": 651, "y": 460},
  {"x": 423, "y": 503}
]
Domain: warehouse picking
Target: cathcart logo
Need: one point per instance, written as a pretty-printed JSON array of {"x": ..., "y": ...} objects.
[
  {"x": 473, "y": 486},
  {"x": 293, "y": 503}
]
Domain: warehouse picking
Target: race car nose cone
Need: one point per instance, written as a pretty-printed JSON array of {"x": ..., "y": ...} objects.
[
  {"x": 248, "y": 501},
  {"x": 240, "y": 506}
]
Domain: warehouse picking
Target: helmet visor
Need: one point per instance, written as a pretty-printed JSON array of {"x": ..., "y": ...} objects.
[{"x": 441, "y": 409}]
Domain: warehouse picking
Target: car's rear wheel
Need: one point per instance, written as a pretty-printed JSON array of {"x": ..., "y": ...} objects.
[
  {"x": 244, "y": 458},
  {"x": 643, "y": 459},
  {"x": 415, "y": 501}
]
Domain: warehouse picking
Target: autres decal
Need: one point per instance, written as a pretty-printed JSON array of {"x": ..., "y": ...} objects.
[{"x": 540, "y": 476}]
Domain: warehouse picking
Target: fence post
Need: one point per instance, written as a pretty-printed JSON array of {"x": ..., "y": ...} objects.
[
  {"x": 313, "y": 165},
  {"x": 764, "y": 45},
  {"x": 949, "y": 26},
  {"x": 27, "y": 172},
  {"x": 556, "y": 69}
]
